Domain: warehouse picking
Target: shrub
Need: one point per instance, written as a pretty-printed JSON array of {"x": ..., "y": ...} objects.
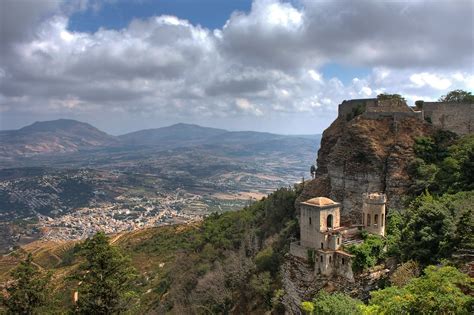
[
  {"x": 368, "y": 253},
  {"x": 335, "y": 303}
]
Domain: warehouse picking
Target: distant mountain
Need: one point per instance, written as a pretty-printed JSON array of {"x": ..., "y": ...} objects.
[
  {"x": 48, "y": 137},
  {"x": 51, "y": 139},
  {"x": 183, "y": 135},
  {"x": 177, "y": 135}
]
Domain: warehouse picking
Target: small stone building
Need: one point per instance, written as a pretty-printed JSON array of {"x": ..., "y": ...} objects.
[{"x": 322, "y": 237}]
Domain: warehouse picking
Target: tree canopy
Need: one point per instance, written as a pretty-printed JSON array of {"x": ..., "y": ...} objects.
[
  {"x": 438, "y": 291},
  {"x": 105, "y": 278},
  {"x": 336, "y": 303},
  {"x": 28, "y": 294},
  {"x": 457, "y": 96}
]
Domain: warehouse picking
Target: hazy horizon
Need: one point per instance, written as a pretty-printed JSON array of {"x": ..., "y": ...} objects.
[{"x": 165, "y": 126}]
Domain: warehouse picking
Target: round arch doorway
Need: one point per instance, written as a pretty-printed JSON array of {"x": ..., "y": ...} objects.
[{"x": 329, "y": 221}]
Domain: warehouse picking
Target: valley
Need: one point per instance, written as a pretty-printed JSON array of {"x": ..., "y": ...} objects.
[{"x": 186, "y": 175}]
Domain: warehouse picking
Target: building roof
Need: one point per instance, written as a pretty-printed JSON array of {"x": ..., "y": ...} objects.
[{"x": 320, "y": 202}]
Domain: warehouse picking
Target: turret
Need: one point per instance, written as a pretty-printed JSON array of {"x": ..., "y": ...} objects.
[{"x": 373, "y": 213}]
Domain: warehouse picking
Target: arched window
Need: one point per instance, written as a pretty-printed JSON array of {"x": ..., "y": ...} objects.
[
  {"x": 322, "y": 245},
  {"x": 321, "y": 258},
  {"x": 376, "y": 220},
  {"x": 381, "y": 222},
  {"x": 330, "y": 260},
  {"x": 329, "y": 221},
  {"x": 368, "y": 219},
  {"x": 343, "y": 261}
]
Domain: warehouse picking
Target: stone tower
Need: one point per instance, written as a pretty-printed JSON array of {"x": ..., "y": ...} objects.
[
  {"x": 373, "y": 213},
  {"x": 319, "y": 217}
]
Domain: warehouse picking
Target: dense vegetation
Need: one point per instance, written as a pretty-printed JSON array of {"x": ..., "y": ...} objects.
[
  {"x": 435, "y": 228},
  {"x": 444, "y": 164},
  {"x": 367, "y": 254},
  {"x": 232, "y": 259},
  {"x": 440, "y": 290},
  {"x": 28, "y": 294}
]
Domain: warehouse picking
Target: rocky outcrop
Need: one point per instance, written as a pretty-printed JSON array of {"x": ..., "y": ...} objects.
[
  {"x": 300, "y": 284},
  {"x": 365, "y": 155}
]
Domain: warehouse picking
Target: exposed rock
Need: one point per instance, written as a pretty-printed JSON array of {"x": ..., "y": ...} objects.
[
  {"x": 300, "y": 283},
  {"x": 365, "y": 155}
]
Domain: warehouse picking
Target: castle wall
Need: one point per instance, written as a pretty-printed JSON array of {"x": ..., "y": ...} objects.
[
  {"x": 324, "y": 262},
  {"x": 347, "y": 107},
  {"x": 397, "y": 116},
  {"x": 343, "y": 266},
  {"x": 375, "y": 109},
  {"x": 313, "y": 221},
  {"x": 324, "y": 213},
  {"x": 299, "y": 251},
  {"x": 330, "y": 263},
  {"x": 309, "y": 227},
  {"x": 389, "y": 106},
  {"x": 458, "y": 118}
]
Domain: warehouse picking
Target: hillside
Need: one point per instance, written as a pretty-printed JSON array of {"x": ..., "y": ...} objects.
[
  {"x": 52, "y": 137},
  {"x": 52, "y": 143},
  {"x": 177, "y": 135}
]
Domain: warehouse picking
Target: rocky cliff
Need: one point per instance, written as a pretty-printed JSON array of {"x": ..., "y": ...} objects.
[
  {"x": 365, "y": 154},
  {"x": 301, "y": 284}
]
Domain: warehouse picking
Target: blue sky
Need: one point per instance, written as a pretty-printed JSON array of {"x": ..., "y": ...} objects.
[
  {"x": 118, "y": 14},
  {"x": 266, "y": 65}
]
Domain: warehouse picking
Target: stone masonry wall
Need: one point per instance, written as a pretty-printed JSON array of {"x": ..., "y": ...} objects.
[
  {"x": 389, "y": 106},
  {"x": 458, "y": 118},
  {"x": 347, "y": 107}
]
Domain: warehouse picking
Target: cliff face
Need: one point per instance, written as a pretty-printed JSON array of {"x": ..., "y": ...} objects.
[
  {"x": 365, "y": 155},
  {"x": 301, "y": 284}
]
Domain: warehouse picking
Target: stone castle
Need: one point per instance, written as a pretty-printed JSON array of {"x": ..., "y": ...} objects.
[
  {"x": 455, "y": 117},
  {"x": 322, "y": 237}
]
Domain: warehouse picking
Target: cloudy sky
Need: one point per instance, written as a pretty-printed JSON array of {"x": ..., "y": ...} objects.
[{"x": 266, "y": 65}]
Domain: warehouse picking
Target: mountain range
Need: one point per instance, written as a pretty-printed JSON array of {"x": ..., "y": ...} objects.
[{"x": 70, "y": 136}]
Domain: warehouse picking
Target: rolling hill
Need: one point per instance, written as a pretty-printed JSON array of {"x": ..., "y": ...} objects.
[
  {"x": 42, "y": 143},
  {"x": 52, "y": 137}
]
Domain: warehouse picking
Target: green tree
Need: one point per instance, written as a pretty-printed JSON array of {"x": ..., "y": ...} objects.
[
  {"x": 428, "y": 232},
  {"x": 438, "y": 291},
  {"x": 28, "y": 294},
  {"x": 395, "y": 224},
  {"x": 368, "y": 253},
  {"x": 335, "y": 303},
  {"x": 105, "y": 278},
  {"x": 261, "y": 285},
  {"x": 457, "y": 96},
  {"x": 388, "y": 96},
  {"x": 267, "y": 260}
]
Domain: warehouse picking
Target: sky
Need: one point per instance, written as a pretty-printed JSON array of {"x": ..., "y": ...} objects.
[{"x": 264, "y": 65}]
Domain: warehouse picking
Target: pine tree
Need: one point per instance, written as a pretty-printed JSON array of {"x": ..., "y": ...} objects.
[
  {"x": 105, "y": 278},
  {"x": 28, "y": 292}
]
